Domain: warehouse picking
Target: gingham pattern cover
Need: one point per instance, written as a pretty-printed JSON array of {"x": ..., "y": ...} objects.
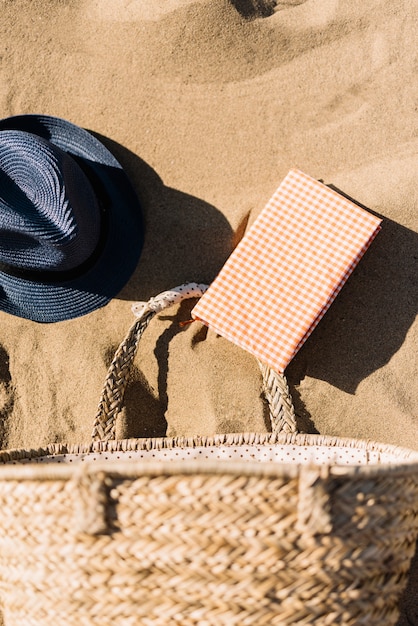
[{"x": 287, "y": 270}]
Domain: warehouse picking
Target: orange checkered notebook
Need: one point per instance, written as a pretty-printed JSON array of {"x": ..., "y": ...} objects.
[{"x": 287, "y": 270}]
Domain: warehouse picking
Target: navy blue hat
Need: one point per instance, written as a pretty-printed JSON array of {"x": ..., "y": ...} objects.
[{"x": 71, "y": 229}]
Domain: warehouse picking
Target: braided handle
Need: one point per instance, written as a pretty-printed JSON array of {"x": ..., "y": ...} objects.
[{"x": 282, "y": 414}]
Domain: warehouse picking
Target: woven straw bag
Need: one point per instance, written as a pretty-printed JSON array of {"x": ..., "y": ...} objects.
[{"x": 239, "y": 529}]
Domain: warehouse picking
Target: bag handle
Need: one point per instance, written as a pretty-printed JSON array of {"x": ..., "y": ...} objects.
[{"x": 275, "y": 388}]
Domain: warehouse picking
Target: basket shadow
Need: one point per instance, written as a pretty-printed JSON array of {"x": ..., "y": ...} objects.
[
  {"x": 368, "y": 322},
  {"x": 409, "y": 601}
]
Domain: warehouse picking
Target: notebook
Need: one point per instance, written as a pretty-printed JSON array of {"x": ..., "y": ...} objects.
[{"x": 287, "y": 270}]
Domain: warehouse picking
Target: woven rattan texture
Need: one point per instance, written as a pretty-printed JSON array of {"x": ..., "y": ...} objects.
[
  {"x": 207, "y": 548},
  {"x": 276, "y": 391},
  {"x": 204, "y": 543}
]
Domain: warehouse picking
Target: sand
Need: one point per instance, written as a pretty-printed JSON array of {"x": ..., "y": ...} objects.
[{"x": 208, "y": 104}]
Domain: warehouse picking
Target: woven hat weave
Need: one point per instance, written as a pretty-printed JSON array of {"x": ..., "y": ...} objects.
[{"x": 71, "y": 229}]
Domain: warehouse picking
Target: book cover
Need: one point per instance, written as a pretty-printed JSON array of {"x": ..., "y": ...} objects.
[{"x": 287, "y": 270}]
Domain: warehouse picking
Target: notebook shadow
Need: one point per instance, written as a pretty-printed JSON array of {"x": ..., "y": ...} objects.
[{"x": 368, "y": 322}]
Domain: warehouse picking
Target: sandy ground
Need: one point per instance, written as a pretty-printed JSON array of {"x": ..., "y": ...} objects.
[{"x": 208, "y": 104}]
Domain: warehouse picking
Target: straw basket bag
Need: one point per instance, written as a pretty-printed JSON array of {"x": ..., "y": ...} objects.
[{"x": 239, "y": 529}]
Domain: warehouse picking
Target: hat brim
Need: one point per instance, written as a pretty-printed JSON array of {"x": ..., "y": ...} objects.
[{"x": 56, "y": 301}]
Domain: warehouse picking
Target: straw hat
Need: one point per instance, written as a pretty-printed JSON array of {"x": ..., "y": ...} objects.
[{"x": 71, "y": 229}]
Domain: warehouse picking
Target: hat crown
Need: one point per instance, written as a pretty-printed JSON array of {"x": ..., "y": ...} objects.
[
  {"x": 49, "y": 215},
  {"x": 71, "y": 225}
]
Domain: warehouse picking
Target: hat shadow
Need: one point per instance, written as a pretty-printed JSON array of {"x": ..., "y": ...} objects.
[
  {"x": 368, "y": 322},
  {"x": 186, "y": 240}
]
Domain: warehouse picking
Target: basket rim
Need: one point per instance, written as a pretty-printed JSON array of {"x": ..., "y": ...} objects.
[{"x": 10, "y": 469}]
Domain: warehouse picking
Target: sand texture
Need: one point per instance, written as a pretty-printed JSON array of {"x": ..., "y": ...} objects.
[{"x": 208, "y": 104}]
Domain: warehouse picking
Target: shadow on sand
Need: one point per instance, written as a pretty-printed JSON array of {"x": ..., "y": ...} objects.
[{"x": 368, "y": 322}]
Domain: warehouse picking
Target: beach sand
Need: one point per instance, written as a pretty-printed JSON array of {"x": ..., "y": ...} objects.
[{"x": 208, "y": 104}]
